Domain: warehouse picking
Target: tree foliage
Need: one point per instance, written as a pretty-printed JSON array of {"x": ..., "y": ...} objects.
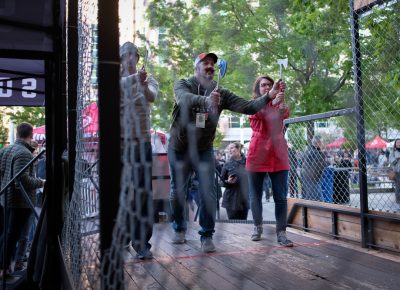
[
  {"x": 251, "y": 35},
  {"x": 3, "y": 129},
  {"x": 32, "y": 115}
]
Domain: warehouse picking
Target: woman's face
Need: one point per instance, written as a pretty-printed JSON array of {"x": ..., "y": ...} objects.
[
  {"x": 265, "y": 86},
  {"x": 397, "y": 144},
  {"x": 233, "y": 151}
]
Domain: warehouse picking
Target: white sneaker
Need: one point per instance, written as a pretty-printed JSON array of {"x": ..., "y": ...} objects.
[
  {"x": 179, "y": 238},
  {"x": 207, "y": 245}
]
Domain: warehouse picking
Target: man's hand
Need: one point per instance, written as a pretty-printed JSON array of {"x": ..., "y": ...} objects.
[
  {"x": 143, "y": 77},
  {"x": 213, "y": 101}
]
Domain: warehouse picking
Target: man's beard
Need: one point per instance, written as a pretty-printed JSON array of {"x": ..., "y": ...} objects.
[{"x": 207, "y": 82}]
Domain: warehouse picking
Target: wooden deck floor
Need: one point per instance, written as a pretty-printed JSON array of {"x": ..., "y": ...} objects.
[{"x": 242, "y": 264}]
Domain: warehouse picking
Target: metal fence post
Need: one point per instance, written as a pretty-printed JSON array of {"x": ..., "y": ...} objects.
[{"x": 358, "y": 95}]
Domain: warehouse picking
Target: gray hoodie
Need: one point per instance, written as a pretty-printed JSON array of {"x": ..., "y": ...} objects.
[{"x": 190, "y": 100}]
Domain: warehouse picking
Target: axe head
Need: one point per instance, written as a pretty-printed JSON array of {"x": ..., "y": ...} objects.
[
  {"x": 223, "y": 66},
  {"x": 283, "y": 62}
]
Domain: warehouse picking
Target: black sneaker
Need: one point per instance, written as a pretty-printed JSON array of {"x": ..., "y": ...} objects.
[
  {"x": 283, "y": 240},
  {"x": 145, "y": 254},
  {"x": 19, "y": 266}
]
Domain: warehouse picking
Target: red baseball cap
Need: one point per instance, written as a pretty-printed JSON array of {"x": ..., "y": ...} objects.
[{"x": 203, "y": 55}]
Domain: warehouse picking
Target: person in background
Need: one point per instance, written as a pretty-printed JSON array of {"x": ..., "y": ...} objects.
[
  {"x": 268, "y": 153},
  {"x": 394, "y": 160},
  {"x": 267, "y": 187},
  {"x": 234, "y": 179},
  {"x": 293, "y": 176},
  {"x": 314, "y": 163},
  {"x": 138, "y": 90},
  {"x": 12, "y": 160},
  {"x": 23, "y": 246},
  {"x": 197, "y": 108}
]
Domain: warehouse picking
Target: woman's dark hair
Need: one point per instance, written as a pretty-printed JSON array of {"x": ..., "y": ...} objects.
[
  {"x": 256, "y": 85},
  {"x": 394, "y": 144}
]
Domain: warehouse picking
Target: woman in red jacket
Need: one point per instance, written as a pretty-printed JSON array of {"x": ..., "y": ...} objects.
[{"x": 268, "y": 153}]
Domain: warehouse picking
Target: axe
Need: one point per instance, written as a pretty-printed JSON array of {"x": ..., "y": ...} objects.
[{"x": 284, "y": 63}]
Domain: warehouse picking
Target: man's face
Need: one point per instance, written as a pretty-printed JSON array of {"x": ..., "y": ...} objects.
[
  {"x": 205, "y": 69},
  {"x": 129, "y": 61}
]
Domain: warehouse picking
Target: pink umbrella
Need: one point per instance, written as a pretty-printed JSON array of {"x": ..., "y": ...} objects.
[
  {"x": 376, "y": 143},
  {"x": 336, "y": 144}
]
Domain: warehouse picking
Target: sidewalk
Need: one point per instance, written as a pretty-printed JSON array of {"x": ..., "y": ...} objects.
[{"x": 268, "y": 211}]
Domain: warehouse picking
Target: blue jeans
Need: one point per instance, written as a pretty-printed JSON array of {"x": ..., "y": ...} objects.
[
  {"x": 279, "y": 182},
  {"x": 18, "y": 221},
  {"x": 142, "y": 205},
  {"x": 182, "y": 165}
]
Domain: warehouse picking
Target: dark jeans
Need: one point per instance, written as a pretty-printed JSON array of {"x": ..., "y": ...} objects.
[
  {"x": 25, "y": 239},
  {"x": 142, "y": 205},
  {"x": 279, "y": 182},
  {"x": 237, "y": 214},
  {"x": 181, "y": 166},
  {"x": 18, "y": 220}
]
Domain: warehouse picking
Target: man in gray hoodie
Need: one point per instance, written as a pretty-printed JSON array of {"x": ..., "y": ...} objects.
[{"x": 198, "y": 105}]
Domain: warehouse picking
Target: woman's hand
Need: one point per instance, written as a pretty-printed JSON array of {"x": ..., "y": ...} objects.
[
  {"x": 283, "y": 107},
  {"x": 280, "y": 98},
  {"x": 279, "y": 87},
  {"x": 232, "y": 179}
]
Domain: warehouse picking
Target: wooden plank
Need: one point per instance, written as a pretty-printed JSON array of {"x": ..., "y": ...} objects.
[
  {"x": 387, "y": 238},
  {"x": 240, "y": 258},
  {"x": 242, "y": 264},
  {"x": 389, "y": 266},
  {"x": 192, "y": 249},
  {"x": 170, "y": 259},
  {"x": 160, "y": 273},
  {"x": 140, "y": 276},
  {"x": 283, "y": 260}
]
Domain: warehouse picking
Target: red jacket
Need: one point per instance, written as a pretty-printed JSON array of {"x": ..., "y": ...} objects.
[{"x": 268, "y": 151}]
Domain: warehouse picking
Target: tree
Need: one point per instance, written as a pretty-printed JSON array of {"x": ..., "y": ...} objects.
[
  {"x": 3, "y": 130},
  {"x": 314, "y": 35},
  {"x": 32, "y": 115}
]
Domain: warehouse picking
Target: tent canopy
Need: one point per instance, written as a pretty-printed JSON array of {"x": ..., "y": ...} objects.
[
  {"x": 336, "y": 144},
  {"x": 26, "y": 42},
  {"x": 376, "y": 143}
]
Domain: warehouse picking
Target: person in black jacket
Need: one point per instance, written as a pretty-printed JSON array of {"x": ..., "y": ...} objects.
[
  {"x": 314, "y": 163},
  {"x": 234, "y": 178},
  {"x": 12, "y": 159}
]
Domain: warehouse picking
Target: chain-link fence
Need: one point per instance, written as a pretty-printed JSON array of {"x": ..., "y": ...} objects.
[
  {"x": 80, "y": 236},
  {"x": 376, "y": 57},
  {"x": 327, "y": 150},
  {"x": 325, "y": 164}
]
